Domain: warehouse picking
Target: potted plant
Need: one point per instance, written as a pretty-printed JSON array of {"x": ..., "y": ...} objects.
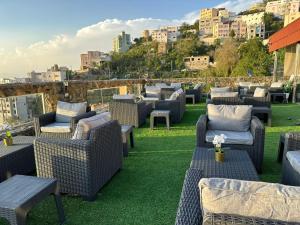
[
  {"x": 287, "y": 89},
  {"x": 8, "y": 140},
  {"x": 219, "y": 152}
]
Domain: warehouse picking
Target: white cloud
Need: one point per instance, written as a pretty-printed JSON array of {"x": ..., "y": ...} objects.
[
  {"x": 65, "y": 49},
  {"x": 238, "y": 5}
]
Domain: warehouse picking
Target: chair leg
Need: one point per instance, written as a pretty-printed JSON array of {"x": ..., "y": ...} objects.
[
  {"x": 131, "y": 139},
  {"x": 168, "y": 122},
  {"x": 151, "y": 122},
  {"x": 60, "y": 209}
]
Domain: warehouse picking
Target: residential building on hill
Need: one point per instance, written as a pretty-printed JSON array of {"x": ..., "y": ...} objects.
[
  {"x": 196, "y": 62},
  {"x": 122, "y": 42},
  {"x": 283, "y": 7},
  {"x": 53, "y": 74},
  {"x": 166, "y": 34},
  {"x": 92, "y": 58}
]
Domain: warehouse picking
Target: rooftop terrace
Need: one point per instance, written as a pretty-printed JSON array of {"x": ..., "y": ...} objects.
[{"x": 147, "y": 189}]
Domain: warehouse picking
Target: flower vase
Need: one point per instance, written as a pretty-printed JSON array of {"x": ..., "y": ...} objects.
[{"x": 219, "y": 155}]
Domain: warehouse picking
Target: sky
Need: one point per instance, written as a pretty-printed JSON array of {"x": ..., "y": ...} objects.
[{"x": 35, "y": 34}]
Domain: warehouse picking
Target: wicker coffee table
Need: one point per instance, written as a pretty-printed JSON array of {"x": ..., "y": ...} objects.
[
  {"x": 237, "y": 164},
  {"x": 18, "y": 158}
]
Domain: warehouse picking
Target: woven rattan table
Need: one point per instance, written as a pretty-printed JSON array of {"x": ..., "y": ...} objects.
[
  {"x": 20, "y": 193},
  {"x": 237, "y": 164},
  {"x": 18, "y": 158}
]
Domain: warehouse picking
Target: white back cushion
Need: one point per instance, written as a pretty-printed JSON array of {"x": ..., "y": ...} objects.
[
  {"x": 229, "y": 117},
  {"x": 260, "y": 92},
  {"x": 294, "y": 159},
  {"x": 278, "y": 84},
  {"x": 173, "y": 96},
  {"x": 161, "y": 85},
  {"x": 176, "y": 85},
  {"x": 224, "y": 94},
  {"x": 249, "y": 199},
  {"x": 65, "y": 111},
  {"x": 152, "y": 91},
  {"x": 197, "y": 86},
  {"x": 244, "y": 84},
  {"x": 223, "y": 89},
  {"x": 84, "y": 126}
]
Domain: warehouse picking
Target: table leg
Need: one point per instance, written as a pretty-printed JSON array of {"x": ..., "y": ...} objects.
[
  {"x": 131, "y": 140},
  {"x": 60, "y": 209},
  {"x": 168, "y": 122},
  {"x": 151, "y": 122}
]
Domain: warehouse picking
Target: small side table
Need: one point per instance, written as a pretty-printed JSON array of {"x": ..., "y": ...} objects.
[
  {"x": 159, "y": 114},
  {"x": 190, "y": 97},
  {"x": 20, "y": 193},
  {"x": 127, "y": 131}
]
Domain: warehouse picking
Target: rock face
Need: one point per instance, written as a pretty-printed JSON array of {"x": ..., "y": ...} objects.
[{"x": 76, "y": 91}]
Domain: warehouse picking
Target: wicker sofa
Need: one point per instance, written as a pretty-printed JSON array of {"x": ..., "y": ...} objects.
[
  {"x": 129, "y": 112},
  {"x": 255, "y": 150},
  {"x": 177, "y": 107},
  {"x": 289, "y": 175},
  {"x": 196, "y": 92},
  {"x": 81, "y": 167},
  {"x": 49, "y": 118}
]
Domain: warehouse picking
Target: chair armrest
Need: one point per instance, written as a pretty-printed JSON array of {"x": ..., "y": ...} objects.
[
  {"x": 292, "y": 142},
  {"x": 258, "y": 132},
  {"x": 201, "y": 128},
  {"x": 74, "y": 120},
  {"x": 43, "y": 120}
]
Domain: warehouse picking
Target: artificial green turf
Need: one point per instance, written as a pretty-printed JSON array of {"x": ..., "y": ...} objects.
[{"x": 147, "y": 190}]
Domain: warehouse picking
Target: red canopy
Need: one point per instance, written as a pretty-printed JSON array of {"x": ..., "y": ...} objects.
[{"x": 286, "y": 36}]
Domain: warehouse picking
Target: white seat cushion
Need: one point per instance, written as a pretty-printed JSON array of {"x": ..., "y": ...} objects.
[
  {"x": 84, "y": 126},
  {"x": 249, "y": 199},
  {"x": 294, "y": 159},
  {"x": 56, "y": 128},
  {"x": 176, "y": 85},
  {"x": 229, "y": 117},
  {"x": 65, "y": 111},
  {"x": 260, "y": 92},
  {"x": 232, "y": 137},
  {"x": 224, "y": 94},
  {"x": 161, "y": 85},
  {"x": 153, "y": 92}
]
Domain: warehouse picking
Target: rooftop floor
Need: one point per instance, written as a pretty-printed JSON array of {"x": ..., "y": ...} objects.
[{"x": 147, "y": 189}]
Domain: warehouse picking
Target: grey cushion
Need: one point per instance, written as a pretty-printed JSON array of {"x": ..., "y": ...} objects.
[
  {"x": 229, "y": 117},
  {"x": 260, "y": 92},
  {"x": 232, "y": 137},
  {"x": 222, "y": 89},
  {"x": 57, "y": 128},
  {"x": 65, "y": 111},
  {"x": 84, "y": 126},
  {"x": 294, "y": 159},
  {"x": 249, "y": 199},
  {"x": 124, "y": 97},
  {"x": 224, "y": 94},
  {"x": 278, "y": 84}
]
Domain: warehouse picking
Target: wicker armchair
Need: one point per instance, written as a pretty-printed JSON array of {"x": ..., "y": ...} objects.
[
  {"x": 81, "y": 167},
  {"x": 195, "y": 92},
  {"x": 224, "y": 101},
  {"x": 177, "y": 107},
  {"x": 129, "y": 113},
  {"x": 49, "y": 118},
  {"x": 255, "y": 151},
  {"x": 289, "y": 175}
]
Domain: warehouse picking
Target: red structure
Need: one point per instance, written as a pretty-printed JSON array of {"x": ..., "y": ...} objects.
[{"x": 288, "y": 35}]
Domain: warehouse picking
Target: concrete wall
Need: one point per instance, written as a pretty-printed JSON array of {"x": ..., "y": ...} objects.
[{"x": 290, "y": 61}]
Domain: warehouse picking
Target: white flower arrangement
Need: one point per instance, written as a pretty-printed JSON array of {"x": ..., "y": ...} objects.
[{"x": 219, "y": 140}]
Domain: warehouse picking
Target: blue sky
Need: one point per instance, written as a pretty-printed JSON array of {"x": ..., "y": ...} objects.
[{"x": 37, "y": 33}]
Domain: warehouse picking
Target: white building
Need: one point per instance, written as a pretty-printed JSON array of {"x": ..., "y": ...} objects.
[
  {"x": 166, "y": 34},
  {"x": 254, "y": 18},
  {"x": 283, "y": 7},
  {"x": 53, "y": 74},
  {"x": 122, "y": 42},
  {"x": 93, "y": 58}
]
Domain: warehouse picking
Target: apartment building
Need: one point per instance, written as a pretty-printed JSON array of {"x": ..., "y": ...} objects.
[
  {"x": 208, "y": 13},
  {"x": 196, "y": 62},
  {"x": 91, "y": 58},
  {"x": 291, "y": 18},
  {"x": 256, "y": 30},
  {"x": 162, "y": 48},
  {"x": 283, "y": 7},
  {"x": 166, "y": 34},
  {"x": 54, "y": 74},
  {"x": 20, "y": 108},
  {"x": 221, "y": 30},
  {"x": 146, "y": 34},
  {"x": 254, "y": 18},
  {"x": 122, "y": 42},
  {"x": 240, "y": 28}
]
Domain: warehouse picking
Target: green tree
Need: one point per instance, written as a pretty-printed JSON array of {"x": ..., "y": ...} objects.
[
  {"x": 254, "y": 56},
  {"x": 226, "y": 57},
  {"x": 272, "y": 23},
  {"x": 232, "y": 34}
]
